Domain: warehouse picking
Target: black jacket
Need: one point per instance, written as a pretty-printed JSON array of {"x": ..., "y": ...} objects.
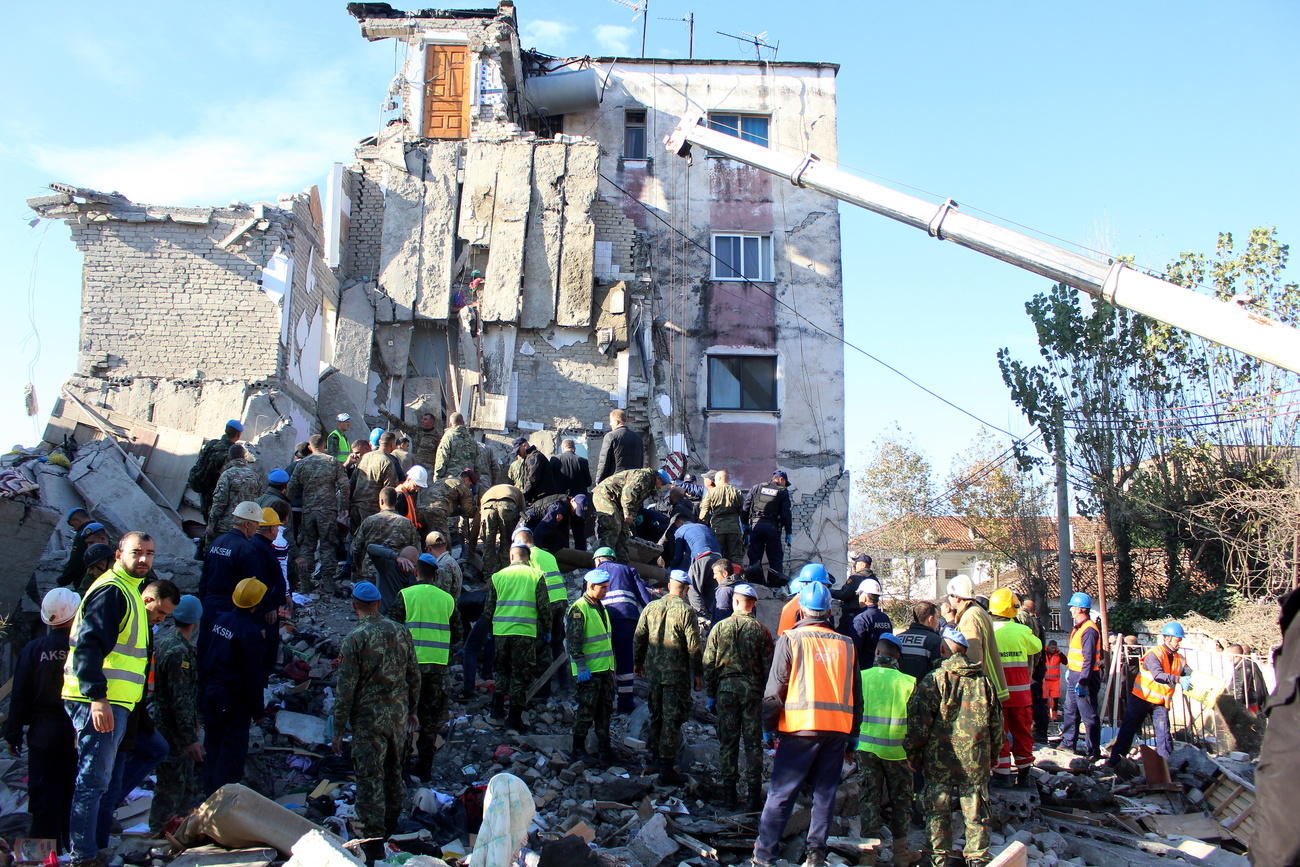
[
  {"x": 621, "y": 450},
  {"x": 38, "y": 687},
  {"x": 571, "y": 474},
  {"x": 536, "y": 479}
]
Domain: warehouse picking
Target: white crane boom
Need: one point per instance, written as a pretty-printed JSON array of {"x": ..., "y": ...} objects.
[{"x": 1223, "y": 322}]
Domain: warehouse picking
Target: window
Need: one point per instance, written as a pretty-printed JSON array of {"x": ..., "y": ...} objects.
[
  {"x": 743, "y": 382},
  {"x": 634, "y": 135},
  {"x": 748, "y": 127},
  {"x": 742, "y": 257}
]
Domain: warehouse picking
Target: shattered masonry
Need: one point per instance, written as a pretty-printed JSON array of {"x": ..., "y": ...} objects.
[{"x": 340, "y": 298}]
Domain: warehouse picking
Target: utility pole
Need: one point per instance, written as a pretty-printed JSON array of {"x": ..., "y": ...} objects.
[{"x": 1063, "y": 525}]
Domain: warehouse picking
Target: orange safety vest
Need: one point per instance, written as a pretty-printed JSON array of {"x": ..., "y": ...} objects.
[
  {"x": 789, "y": 616},
  {"x": 1075, "y": 656},
  {"x": 819, "y": 696},
  {"x": 1053, "y": 663},
  {"x": 1147, "y": 688}
]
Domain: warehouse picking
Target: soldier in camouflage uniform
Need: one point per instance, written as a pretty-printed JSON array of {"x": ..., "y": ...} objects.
[
  {"x": 322, "y": 484},
  {"x": 515, "y": 471},
  {"x": 239, "y": 483},
  {"x": 886, "y": 778},
  {"x": 176, "y": 714},
  {"x": 387, "y": 528},
  {"x": 666, "y": 651},
  {"x": 500, "y": 509},
  {"x": 211, "y": 461},
  {"x": 591, "y": 661},
  {"x": 457, "y": 450},
  {"x": 424, "y": 439},
  {"x": 736, "y": 661},
  {"x": 954, "y": 732},
  {"x": 375, "y": 471},
  {"x": 377, "y": 693},
  {"x": 720, "y": 509},
  {"x": 618, "y": 501},
  {"x": 449, "y": 498}
]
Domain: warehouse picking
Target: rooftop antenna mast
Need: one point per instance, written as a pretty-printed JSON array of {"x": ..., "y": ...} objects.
[
  {"x": 758, "y": 40},
  {"x": 641, "y": 8},
  {"x": 689, "y": 20}
]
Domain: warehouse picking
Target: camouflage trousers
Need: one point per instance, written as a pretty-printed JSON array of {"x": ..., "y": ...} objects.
[
  {"x": 595, "y": 707},
  {"x": 431, "y": 710},
  {"x": 499, "y": 519},
  {"x": 612, "y": 532},
  {"x": 319, "y": 530},
  {"x": 178, "y": 790},
  {"x": 885, "y": 784},
  {"x": 740, "y": 717},
  {"x": 670, "y": 704},
  {"x": 733, "y": 546},
  {"x": 377, "y": 761},
  {"x": 941, "y": 796},
  {"x": 516, "y": 666}
]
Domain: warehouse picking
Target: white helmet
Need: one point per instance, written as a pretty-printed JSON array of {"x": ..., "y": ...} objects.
[
  {"x": 872, "y": 587},
  {"x": 961, "y": 587},
  {"x": 419, "y": 475},
  {"x": 59, "y": 606}
]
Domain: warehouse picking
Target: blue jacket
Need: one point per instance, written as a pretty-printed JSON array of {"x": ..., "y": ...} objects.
[
  {"x": 691, "y": 540},
  {"x": 233, "y": 668},
  {"x": 868, "y": 626},
  {"x": 229, "y": 559},
  {"x": 627, "y": 594}
]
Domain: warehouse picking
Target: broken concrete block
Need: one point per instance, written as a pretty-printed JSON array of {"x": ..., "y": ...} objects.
[
  {"x": 304, "y": 728},
  {"x": 499, "y": 299},
  {"x": 24, "y": 532},
  {"x": 239, "y": 818},
  {"x": 577, "y": 256},
  {"x": 652, "y": 845},
  {"x": 104, "y": 481},
  {"x": 545, "y": 235}
]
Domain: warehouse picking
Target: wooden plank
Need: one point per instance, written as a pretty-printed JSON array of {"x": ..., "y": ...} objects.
[{"x": 1015, "y": 855}]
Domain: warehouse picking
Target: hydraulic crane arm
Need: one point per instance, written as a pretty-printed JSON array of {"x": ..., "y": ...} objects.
[{"x": 1223, "y": 322}]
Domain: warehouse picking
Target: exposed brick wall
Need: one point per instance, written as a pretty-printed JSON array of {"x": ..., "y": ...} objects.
[
  {"x": 620, "y": 233},
  {"x": 564, "y": 388},
  {"x": 361, "y": 250}
]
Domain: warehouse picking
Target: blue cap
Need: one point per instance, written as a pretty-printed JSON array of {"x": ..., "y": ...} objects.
[
  {"x": 1173, "y": 629},
  {"x": 375, "y": 434},
  {"x": 664, "y": 477},
  {"x": 235, "y": 424},
  {"x": 426, "y": 557},
  {"x": 364, "y": 591},
  {"x": 954, "y": 635},
  {"x": 1080, "y": 600},
  {"x": 92, "y": 527},
  {"x": 519, "y": 441},
  {"x": 891, "y": 638},
  {"x": 277, "y": 476},
  {"x": 679, "y": 576},
  {"x": 596, "y": 576},
  {"x": 190, "y": 610},
  {"x": 780, "y": 474},
  {"x": 815, "y": 597},
  {"x": 74, "y": 510},
  {"x": 814, "y": 572},
  {"x": 744, "y": 590}
]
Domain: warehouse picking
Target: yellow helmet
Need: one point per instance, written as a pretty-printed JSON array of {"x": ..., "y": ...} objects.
[
  {"x": 1003, "y": 603},
  {"x": 248, "y": 593},
  {"x": 270, "y": 517}
]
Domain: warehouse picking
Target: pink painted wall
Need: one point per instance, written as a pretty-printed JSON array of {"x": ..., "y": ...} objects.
[
  {"x": 740, "y": 197},
  {"x": 742, "y": 315},
  {"x": 747, "y": 449}
]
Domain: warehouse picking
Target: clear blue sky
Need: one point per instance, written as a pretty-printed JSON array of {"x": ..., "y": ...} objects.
[{"x": 1140, "y": 128}]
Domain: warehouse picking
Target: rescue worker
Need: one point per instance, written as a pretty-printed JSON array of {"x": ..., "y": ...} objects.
[
  {"x": 176, "y": 713},
  {"x": 457, "y": 449},
  {"x": 389, "y": 529},
  {"x": 737, "y": 657},
  {"x": 321, "y": 482},
  {"x": 570, "y": 471},
  {"x": 98, "y": 560},
  {"x": 1276, "y": 841},
  {"x": 618, "y": 500},
  {"x": 211, "y": 461},
  {"x": 550, "y": 622},
  {"x": 1053, "y": 661},
  {"x": 621, "y": 449},
  {"x": 974, "y": 622},
  {"x": 720, "y": 510},
  {"x": 443, "y": 499},
  {"x": 377, "y": 694},
  {"x": 813, "y": 701},
  {"x": 425, "y": 439},
  {"x": 549, "y": 519},
  {"x": 1028, "y": 615},
  {"x": 409, "y": 489},
  {"x": 271, "y": 571},
  {"x": 500, "y": 508},
  {"x": 229, "y": 559},
  {"x": 626, "y": 597},
  {"x": 790, "y": 612},
  {"x": 239, "y": 483},
  {"x": 336, "y": 443},
  {"x": 37, "y": 707},
  {"x": 104, "y": 679},
  {"x": 847, "y": 593},
  {"x": 870, "y": 623},
  {"x": 882, "y": 761},
  {"x": 234, "y": 666},
  {"x": 450, "y": 576},
  {"x": 1163, "y": 668},
  {"x": 534, "y": 472},
  {"x": 920, "y": 642},
  {"x": 85, "y": 533},
  {"x": 376, "y": 471},
  {"x": 690, "y": 541},
  {"x": 725, "y": 578},
  {"x": 767, "y": 512},
  {"x": 516, "y": 606},
  {"x": 954, "y": 729},
  {"x": 277, "y": 484},
  {"x": 1017, "y": 644},
  {"x": 587, "y": 638},
  {"x": 1083, "y": 659},
  {"x": 429, "y": 612},
  {"x": 666, "y": 652}
]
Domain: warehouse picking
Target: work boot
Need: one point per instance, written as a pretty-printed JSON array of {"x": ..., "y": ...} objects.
[
  {"x": 1022, "y": 779},
  {"x": 578, "y": 751},
  {"x": 754, "y": 799},
  {"x": 815, "y": 858},
  {"x": 498, "y": 706},
  {"x": 516, "y": 719},
  {"x": 1001, "y": 781},
  {"x": 606, "y": 754}
]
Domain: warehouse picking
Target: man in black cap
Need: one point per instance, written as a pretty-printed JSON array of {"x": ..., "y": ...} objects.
[
  {"x": 535, "y": 476},
  {"x": 767, "y": 511}
]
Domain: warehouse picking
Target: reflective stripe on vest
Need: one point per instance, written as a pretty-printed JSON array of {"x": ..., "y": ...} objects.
[
  {"x": 429, "y": 610},
  {"x": 885, "y": 692},
  {"x": 597, "y": 646},
  {"x": 820, "y": 692},
  {"x": 1015, "y": 660},
  {"x": 1075, "y": 656},
  {"x": 1148, "y": 688},
  {"x": 516, "y": 612},
  {"x": 124, "y": 666},
  {"x": 1053, "y": 671},
  {"x": 544, "y": 562},
  {"x": 620, "y": 597}
]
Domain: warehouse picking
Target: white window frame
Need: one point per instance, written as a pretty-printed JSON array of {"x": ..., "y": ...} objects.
[
  {"x": 739, "y": 115},
  {"x": 718, "y": 353},
  {"x": 766, "y": 258}
]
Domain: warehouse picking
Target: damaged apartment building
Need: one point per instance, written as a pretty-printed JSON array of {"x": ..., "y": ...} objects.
[{"x": 513, "y": 243}]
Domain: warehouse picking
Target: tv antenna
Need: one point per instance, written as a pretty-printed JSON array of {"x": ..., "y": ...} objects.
[
  {"x": 689, "y": 21},
  {"x": 639, "y": 8},
  {"x": 758, "y": 40}
]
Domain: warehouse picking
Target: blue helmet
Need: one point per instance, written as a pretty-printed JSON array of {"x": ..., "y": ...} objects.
[
  {"x": 1174, "y": 629},
  {"x": 375, "y": 434},
  {"x": 1080, "y": 600},
  {"x": 796, "y": 584},
  {"x": 955, "y": 635},
  {"x": 814, "y": 572},
  {"x": 891, "y": 638},
  {"x": 815, "y": 597}
]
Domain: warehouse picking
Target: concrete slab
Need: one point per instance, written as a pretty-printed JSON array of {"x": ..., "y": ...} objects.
[
  {"x": 505, "y": 271},
  {"x": 478, "y": 193},
  {"x": 577, "y": 257},
  {"x": 24, "y": 533},
  {"x": 353, "y": 344},
  {"x": 441, "y": 191},
  {"x": 105, "y": 482},
  {"x": 545, "y": 235},
  {"x": 399, "y": 242}
]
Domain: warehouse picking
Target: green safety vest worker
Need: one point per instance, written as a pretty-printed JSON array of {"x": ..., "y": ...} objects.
[
  {"x": 597, "y": 645},
  {"x": 545, "y": 561},
  {"x": 125, "y": 665},
  {"x": 429, "y": 610},
  {"x": 336, "y": 444},
  {"x": 885, "y": 692},
  {"x": 516, "y": 611}
]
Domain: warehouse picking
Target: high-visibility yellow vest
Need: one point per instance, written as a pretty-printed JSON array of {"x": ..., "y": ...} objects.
[
  {"x": 1074, "y": 657},
  {"x": 1148, "y": 688},
  {"x": 429, "y": 610},
  {"x": 1016, "y": 643},
  {"x": 885, "y": 692},
  {"x": 516, "y": 612},
  {"x": 544, "y": 562},
  {"x": 820, "y": 692},
  {"x": 597, "y": 645},
  {"x": 124, "y": 665},
  {"x": 337, "y": 442}
]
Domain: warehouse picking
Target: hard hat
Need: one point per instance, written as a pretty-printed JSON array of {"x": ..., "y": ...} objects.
[
  {"x": 814, "y": 572},
  {"x": 1080, "y": 600},
  {"x": 278, "y": 476},
  {"x": 891, "y": 638},
  {"x": 953, "y": 634},
  {"x": 270, "y": 518},
  {"x": 344, "y": 416},
  {"x": 871, "y": 587},
  {"x": 375, "y": 434},
  {"x": 961, "y": 587},
  {"x": 664, "y": 477},
  {"x": 248, "y": 593},
  {"x": 364, "y": 591},
  {"x": 679, "y": 576},
  {"x": 1174, "y": 629},
  {"x": 796, "y": 584},
  {"x": 744, "y": 590},
  {"x": 605, "y": 552},
  {"x": 419, "y": 475},
  {"x": 1003, "y": 603},
  {"x": 596, "y": 576},
  {"x": 815, "y": 597},
  {"x": 59, "y": 606},
  {"x": 248, "y": 511},
  {"x": 190, "y": 610},
  {"x": 234, "y": 424}
]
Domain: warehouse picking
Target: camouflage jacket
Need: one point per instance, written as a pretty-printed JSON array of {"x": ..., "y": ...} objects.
[
  {"x": 375, "y": 472},
  {"x": 737, "y": 656},
  {"x": 720, "y": 508},
  {"x": 447, "y": 497},
  {"x": 321, "y": 482},
  {"x": 504, "y": 492},
  {"x": 175, "y": 702},
  {"x": 382, "y": 528},
  {"x": 666, "y": 643},
  {"x": 238, "y": 483},
  {"x": 623, "y": 493},
  {"x": 457, "y": 451},
  {"x": 211, "y": 461},
  {"x": 954, "y": 722},
  {"x": 424, "y": 442},
  {"x": 489, "y": 467},
  {"x": 379, "y": 679},
  {"x": 515, "y": 472}
]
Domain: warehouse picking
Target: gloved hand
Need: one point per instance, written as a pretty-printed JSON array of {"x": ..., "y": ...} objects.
[
  {"x": 712, "y": 705},
  {"x": 768, "y": 737},
  {"x": 1081, "y": 689},
  {"x": 584, "y": 673},
  {"x": 789, "y": 540},
  {"x": 1186, "y": 681}
]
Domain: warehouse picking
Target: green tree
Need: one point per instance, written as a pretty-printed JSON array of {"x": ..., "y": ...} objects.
[{"x": 896, "y": 492}]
